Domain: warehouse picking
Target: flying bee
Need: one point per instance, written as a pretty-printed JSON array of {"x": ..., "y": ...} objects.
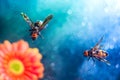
[
  {"x": 36, "y": 27},
  {"x": 97, "y": 53}
]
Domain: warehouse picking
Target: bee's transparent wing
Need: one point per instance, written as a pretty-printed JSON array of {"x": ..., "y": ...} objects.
[
  {"x": 107, "y": 62},
  {"x": 47, "y": 19},
  {"x": 27, "y": 19},
  {"x": 103, "y": 60},
  {"x": 97, "y": 46}
]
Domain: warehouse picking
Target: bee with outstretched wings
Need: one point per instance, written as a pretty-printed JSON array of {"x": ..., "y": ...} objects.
[
  {"x": 36, "y": 27},
  {"x": 97, "y": 53}
]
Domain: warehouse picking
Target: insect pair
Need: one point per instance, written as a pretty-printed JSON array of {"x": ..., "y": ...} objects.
[
  {"x": 37, "y": 27},
  {"x": 97, "y": 53}
]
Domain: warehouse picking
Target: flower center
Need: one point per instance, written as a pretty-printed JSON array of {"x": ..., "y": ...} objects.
[{"x": 16, "y": 67}]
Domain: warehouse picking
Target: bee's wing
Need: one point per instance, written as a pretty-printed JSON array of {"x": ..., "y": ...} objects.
[
  {"x": 47, "y": 19},
  {"x": 107, "y": 62},
  {"x": 103, "y": 60},
  {"x": 27, "y": 19},
  {"x": 97, "y": 46}
]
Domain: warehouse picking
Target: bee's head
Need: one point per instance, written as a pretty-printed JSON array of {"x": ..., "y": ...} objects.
[
  {"x": 38, "y": 23},
  {"x": 105, "y": 54},
  {"x": 86, "y": 53}
]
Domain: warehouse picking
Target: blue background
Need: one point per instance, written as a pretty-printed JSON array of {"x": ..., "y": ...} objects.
[{"x": 76, "y": 26}]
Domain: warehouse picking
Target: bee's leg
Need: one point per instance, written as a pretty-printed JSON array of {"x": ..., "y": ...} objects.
[
  {"x": 30, "y": 33},
  {"x": 93, "y": 59},
  {"x": 88, "y": 58},
  {"x": 41, "y": 35},
  {"x": 99, "y": 59}
]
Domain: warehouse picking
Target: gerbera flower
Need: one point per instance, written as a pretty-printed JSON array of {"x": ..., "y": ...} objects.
[{"x": 19, "y": 62}]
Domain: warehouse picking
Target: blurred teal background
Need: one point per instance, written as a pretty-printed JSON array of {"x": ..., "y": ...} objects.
[{"x": 76, "y": 26}]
